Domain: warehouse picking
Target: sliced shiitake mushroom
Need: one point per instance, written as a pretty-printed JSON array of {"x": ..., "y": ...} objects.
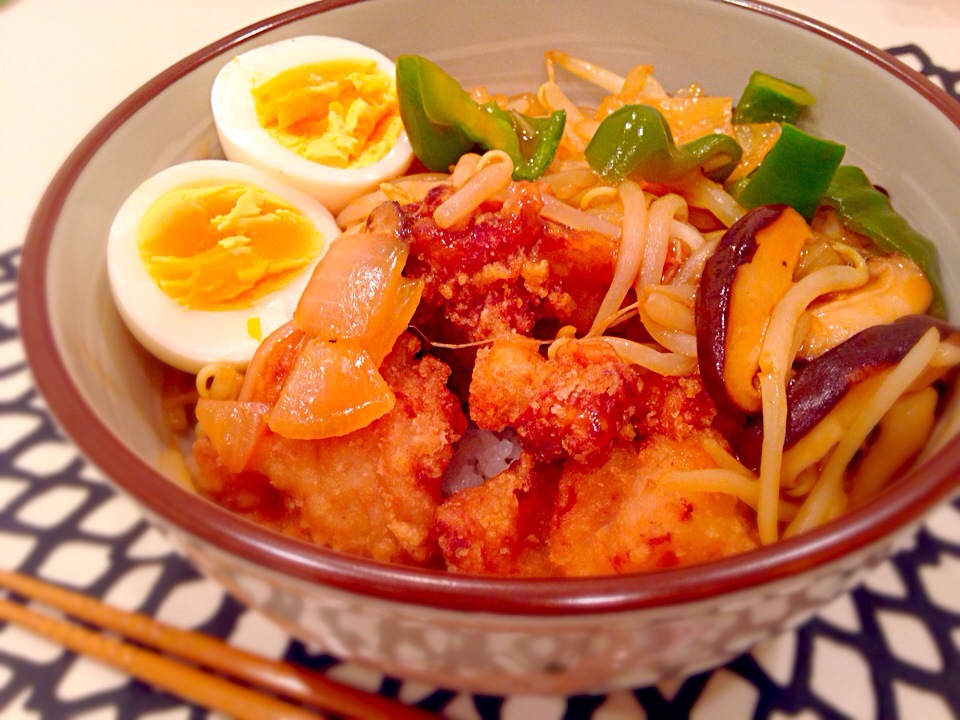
[
  {"x": 819, "y": 385},
  {"x": 750, "y": 271},
  {"x": 748, "y": 274}
]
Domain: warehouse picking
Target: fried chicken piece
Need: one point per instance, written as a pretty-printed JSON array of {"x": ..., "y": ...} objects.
[
  {"x": 373, "y": 492},
  {"x": 612, "y": 517},
  {"x": 246, "y": 493},
  {"x": 501, "y": 527},
  {"x": 505, "y": 270},
  {"x": 602, "y": 509},
  {"x": 573, "y": 405},
  {"x": 677, "y": 407},
  {"x": 618, "y": 517}
]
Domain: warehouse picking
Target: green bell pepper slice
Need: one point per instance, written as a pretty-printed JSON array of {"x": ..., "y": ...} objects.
[
  {"x": 769, "y": 99},
  {"x": 636, "y": 140},
  {"x": 796, "y": 172},
  {"x": 538, "y": 138},
  {"x": 438, "y": 145},
  {"x": 443, "y": 122},
  {"x": 868, "y": 211}
]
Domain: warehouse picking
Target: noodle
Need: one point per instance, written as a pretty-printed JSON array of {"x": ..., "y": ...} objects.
[
  {"x": 662, "y": 213},
  {"x": 610, "y": 321},
  {"x": 464, "y": 169},
  {"x": 609, "y": 81},
  {"x": 553, "y": 98},
  {"x": 649, "y": 226},
  {"x": 683, "y": 293},
  {"x": 219, "y": 381},
  {"x": 587, "y": 127},
  {"x": 692, "y": 268},
  {"x": 669, "y": 311},
  {"x": 818, "y": 506},
  {"x": 687, "y": 234},
  {"x": 776, "y": 358},
  {"x": 813, "y": 447},
  {"x": 630, "y": 254},
  {"x": 730, "y": 482},
  {"x": 486, "y": 182},
  {"x": 641, "y": 83},
  {"x": 672, "y": 338},
  {"x": 803, "y": 483},
  {"x": 407, "y": 189},
  {"x": 413, "y": 188},
  {"x": 568, "y": 183},
  {"x": 604, "y": 194},
  {"x": 575, "y": 219},
  {"x": 173, "y": 465},
  {"x": 704, "y": 193},
  {"x": 177, "y": 395},
  {"x": 670, "y": 364},
  {"x": 724, "y": 460},
  {"x": 947, "y": 355}
]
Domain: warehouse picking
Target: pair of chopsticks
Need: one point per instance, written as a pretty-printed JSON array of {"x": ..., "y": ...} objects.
[{"x": 194, "y": 682}]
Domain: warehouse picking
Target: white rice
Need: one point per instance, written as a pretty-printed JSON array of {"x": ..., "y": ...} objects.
[{"x": 480, "y": 455}]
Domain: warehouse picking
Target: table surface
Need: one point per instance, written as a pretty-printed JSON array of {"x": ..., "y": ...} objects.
[{"x": 889, "y": 649}]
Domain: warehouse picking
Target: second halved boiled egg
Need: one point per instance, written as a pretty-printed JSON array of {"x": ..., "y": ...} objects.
[
  {"x": 208, "y": 257},
  {"x": 318, "y": 112}
]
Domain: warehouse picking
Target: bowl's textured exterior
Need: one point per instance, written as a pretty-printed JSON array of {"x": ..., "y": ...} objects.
[{"x": 544, "y": 654}]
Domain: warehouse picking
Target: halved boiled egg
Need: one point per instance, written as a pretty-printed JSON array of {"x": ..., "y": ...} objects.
[
  {"x": 320, "y": 113},
  {"x": 208, "y": 257}
]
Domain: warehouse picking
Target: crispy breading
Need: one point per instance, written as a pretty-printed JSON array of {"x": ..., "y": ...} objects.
[
  {"x": 586, "y": 496},
  {"x": 375, "y": 491},
  {"x": 677, "y": 407},
  {"x": 501, "y": 526},
  {"x": 506, "y": 270},
  {"x": 573, "y": 405},
  {"x": 619, "y": 517},
  {"x": 247, "y": 493},
  {"x": 602, "y": 509},
  {"x": 611, "y": 517}
]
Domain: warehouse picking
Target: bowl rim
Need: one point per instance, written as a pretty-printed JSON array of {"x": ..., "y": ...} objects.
[{"x": 898, "y": 508}]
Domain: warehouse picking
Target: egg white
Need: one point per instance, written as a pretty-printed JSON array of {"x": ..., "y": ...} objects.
[
  {"x": 185, "y": 338},
  {"x": 244, "y": 140}
]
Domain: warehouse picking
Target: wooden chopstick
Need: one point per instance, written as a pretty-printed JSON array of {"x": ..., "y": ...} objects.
[{"x": 186, "y": 681}]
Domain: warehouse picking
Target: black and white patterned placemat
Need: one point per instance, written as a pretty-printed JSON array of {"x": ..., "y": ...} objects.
[{"x": 890, "y": 649}]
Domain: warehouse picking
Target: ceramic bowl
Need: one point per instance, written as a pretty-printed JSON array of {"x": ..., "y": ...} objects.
[{"x": 489, "y": 635}]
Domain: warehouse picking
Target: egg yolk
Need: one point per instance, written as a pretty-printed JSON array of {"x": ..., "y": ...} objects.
[
  {"x": 341, "y": 113},
  {"x": 222, "y": 247}
]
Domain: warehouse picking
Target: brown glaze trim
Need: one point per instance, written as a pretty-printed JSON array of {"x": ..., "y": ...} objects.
[{"x": 895, "y": 509}]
